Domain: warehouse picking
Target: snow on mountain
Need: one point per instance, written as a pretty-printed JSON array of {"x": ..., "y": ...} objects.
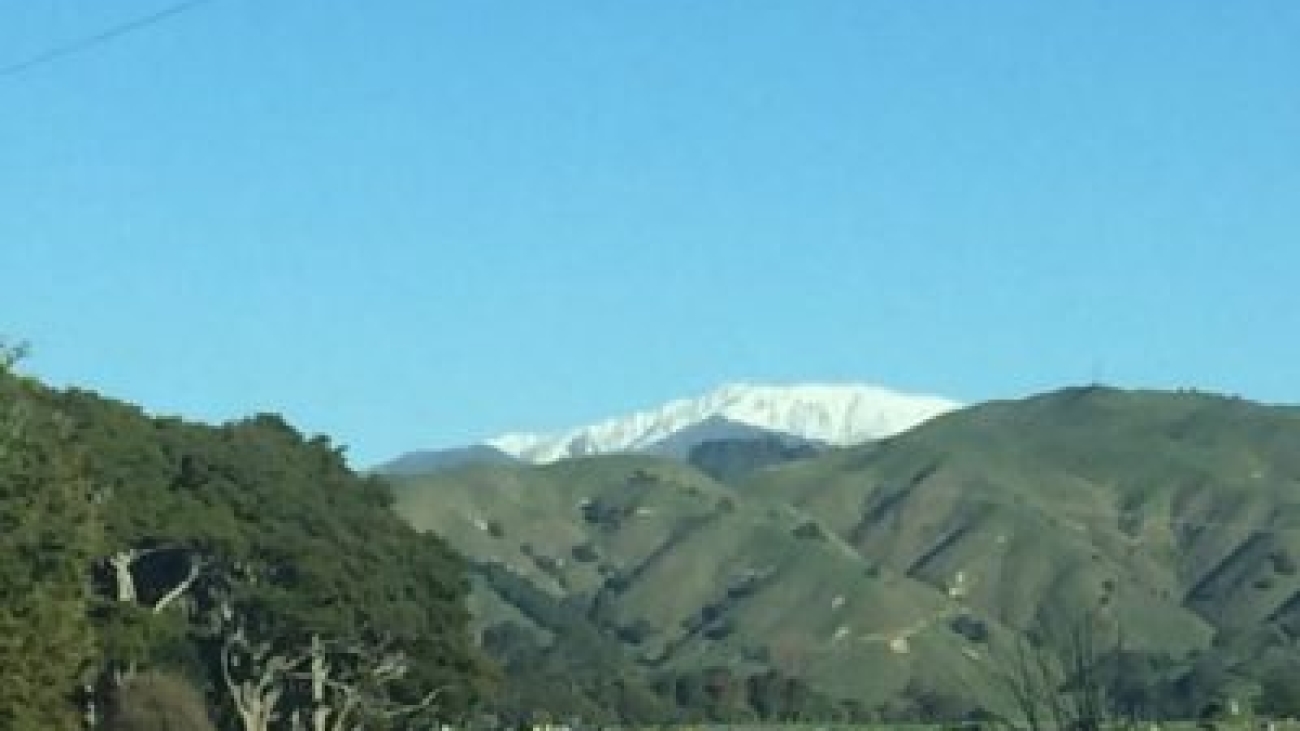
[{"x": 838, "y": 414}]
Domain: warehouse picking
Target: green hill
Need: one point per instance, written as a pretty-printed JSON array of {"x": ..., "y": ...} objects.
[
  {"x": 896, "y": 576},
  {"x": 1185, "y": 503},
  {"x": 686, "y": 572}
]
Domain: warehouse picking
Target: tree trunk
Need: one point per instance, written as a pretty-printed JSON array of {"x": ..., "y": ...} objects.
[
  {"x": 256, "y": 695},
  {"x": 121, "y": 563},
  {"x": 320, "y": 713}
]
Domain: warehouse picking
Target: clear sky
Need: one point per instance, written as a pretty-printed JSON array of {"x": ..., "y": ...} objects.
[{"x": 414, "y": 223}]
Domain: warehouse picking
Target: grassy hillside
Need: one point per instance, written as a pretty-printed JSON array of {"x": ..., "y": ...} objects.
[
  {"x": 689, "y": 574},
  {"x": 1171, "y": 510},
  {"x": 900, "y": 572}
]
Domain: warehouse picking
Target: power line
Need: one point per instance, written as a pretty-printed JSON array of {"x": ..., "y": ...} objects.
[{"x": 84, "y": 44}]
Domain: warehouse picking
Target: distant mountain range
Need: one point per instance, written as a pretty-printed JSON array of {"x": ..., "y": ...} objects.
[{"x": 815, "y": 414}]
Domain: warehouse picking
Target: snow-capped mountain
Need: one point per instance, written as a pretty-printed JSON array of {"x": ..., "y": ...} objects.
[{"x": 838, "y": 414}]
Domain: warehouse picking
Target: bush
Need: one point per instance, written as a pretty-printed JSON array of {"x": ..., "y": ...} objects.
[
  {"x": 156, "y": 701},
  {"x": 1283, "y": 562},
  {"x": 720, "y": 629},
  {"x": 584, "y": 553},
  {"x": 971, "y": 628},
  {"x": 809, "y": 531},
  {"x": 635, "y": 633}
]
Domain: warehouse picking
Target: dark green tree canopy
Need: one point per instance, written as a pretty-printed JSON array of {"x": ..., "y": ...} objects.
[{"x": 230, "y": 553}]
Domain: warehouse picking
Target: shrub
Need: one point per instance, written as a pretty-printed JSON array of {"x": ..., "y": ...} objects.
[
  {"x": 971, "y": 628},
  {"x": 809, "y": 531},
  {"x": 720, "y": 629},
  {"x": 584, "y": 553},
  {"x": 1283, "y": 562},
  {"x": 156, "y": 701}
]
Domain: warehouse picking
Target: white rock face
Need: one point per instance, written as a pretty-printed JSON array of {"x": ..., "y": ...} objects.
[{"x": 839, "y": 414}]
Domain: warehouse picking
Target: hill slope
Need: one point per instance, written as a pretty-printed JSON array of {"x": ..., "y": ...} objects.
[
  {"x": 688, "y": 574},
  {"x": 1181, "y": 498},
  {"x": 898, "y": 572}
]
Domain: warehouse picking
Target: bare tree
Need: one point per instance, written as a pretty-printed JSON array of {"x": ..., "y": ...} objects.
[
  {"x": 255, "y": 677},
  {"x": 1059, "y": 680},
  {"x": 330, "y": 686},
  {"x": 348, "y": 685}
]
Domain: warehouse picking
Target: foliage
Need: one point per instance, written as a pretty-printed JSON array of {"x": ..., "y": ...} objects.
[
  {"x": 722, "y": 694},
  {"x": 584, "y": 671},
  {"x": 731, "y": 460},
  {"x": 155, "y": 701},
  {"x": 1280, "y": 696},
  {"x": 48, "y": 532},
  {"x": 239, "y": 553}
]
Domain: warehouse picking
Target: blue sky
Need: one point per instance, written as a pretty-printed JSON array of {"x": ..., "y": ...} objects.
[{"x": 410, "y": 223}]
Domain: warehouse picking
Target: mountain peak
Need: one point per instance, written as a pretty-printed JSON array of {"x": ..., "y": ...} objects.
[{"x": 838, "y": 414}]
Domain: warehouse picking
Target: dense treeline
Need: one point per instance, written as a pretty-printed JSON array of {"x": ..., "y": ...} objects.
[
  {"x": 49, "y": 531},
  {"x": 245, "y": 562}
]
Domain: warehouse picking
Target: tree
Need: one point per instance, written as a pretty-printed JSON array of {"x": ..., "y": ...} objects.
[
  {"x": 48, "y": 529},
  {"x": 11, "y": 354},
  {"x": 246, "y": 556},
  {"x": 254, "y": 556},
  {"x": 1073, "y": 678}
]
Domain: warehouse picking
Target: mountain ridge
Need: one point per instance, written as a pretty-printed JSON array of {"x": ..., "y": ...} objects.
[{"x": 834, "y": 414}]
